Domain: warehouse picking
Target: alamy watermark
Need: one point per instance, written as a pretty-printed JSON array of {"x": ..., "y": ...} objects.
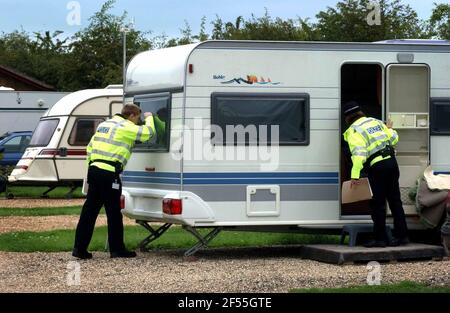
[
  {"x": 74, "y": 16},
  {"x": 374, "y": 16},
  {"x": 73, "y": 273},
  {"x": 204, "y": 142},
  {"x": 374, "y": 275}
]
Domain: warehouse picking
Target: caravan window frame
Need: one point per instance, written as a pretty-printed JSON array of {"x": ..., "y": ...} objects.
[
  {"x": 434, "y": 102},
  {"x": 75, "y": 123},
  {"x": 146, "y": 147},
  {"x": 58, "y": 121},
  {"x": 304, "y": 97}
]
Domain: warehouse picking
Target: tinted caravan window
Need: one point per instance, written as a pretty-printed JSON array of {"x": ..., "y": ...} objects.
[
  {"x": 440, "y": 116},
  {"x": 43, "y": 133},
  {"x": 160, "y": 106},
  {"x": 83, "y": 130},
  {"x": 260, "y": 112}
]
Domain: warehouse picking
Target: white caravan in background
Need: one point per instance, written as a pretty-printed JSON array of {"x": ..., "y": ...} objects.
[
  {"x": 21, "y": 110},
  {"x": 299, "y": 87},
  {"x": 56, "y": 155}
]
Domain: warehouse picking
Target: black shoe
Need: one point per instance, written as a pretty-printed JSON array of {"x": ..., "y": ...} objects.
[
  {"x": 395, "y": 242},
  {"x": 123, "y": 254},
  {"x": 84, "y": 255},
  {"x": 375, "y": 244}
]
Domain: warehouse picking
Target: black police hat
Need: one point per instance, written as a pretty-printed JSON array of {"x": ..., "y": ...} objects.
[{"x": 351, "y": 107}]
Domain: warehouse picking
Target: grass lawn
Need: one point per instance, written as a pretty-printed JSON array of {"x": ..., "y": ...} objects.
[
  {"x": 403, "y": 287},
  {"x": 176, "y": 237},
  {"x": 73, "y": 210},
  {"x": 70, "y": 210},
  {"x": 36, "y": 192}
]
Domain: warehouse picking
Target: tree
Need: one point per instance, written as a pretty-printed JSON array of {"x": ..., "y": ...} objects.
[
  {"x": 187, "y": 36},
  {"x": 93, "y": 58},
  {"x": 15, "y": 49},
  {"x": 263, "y": 28},
  {"x": 351, "y": 20},
  {"x": 440, "y": 21},
  {"x": 41, "y": 57},
  {"x": 96, "y": 51}
]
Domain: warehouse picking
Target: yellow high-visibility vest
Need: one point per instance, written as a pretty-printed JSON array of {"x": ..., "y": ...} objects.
[
  {"x": 365, "y": 137},
  {"x": 114, "y": 140}
]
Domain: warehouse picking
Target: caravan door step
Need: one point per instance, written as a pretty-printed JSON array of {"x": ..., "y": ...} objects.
[{"x": 339, "y": 254}]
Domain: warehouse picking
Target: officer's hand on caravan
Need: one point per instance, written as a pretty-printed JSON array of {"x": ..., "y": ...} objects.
[
  {"x": 147, "y": 114},
  {"x": 389, "y": 124}
]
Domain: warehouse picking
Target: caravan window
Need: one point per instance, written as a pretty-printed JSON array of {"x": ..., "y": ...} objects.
[
  {"x": 258, "y": 114},
  {"x": 440, "y": 116},
  {"x": 43, "y": 133},
  {"x": 83, "y": 130},
  {"x": 160, "y": 106}
]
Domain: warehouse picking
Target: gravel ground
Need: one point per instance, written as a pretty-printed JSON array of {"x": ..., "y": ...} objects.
[
  {"x": 39, "y": 203},
  {"x": 275, "y": 269},
  {"x": 45, "y": 223}
]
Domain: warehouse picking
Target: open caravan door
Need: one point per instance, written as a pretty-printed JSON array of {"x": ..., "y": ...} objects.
[{"x": 407, "y": 105}]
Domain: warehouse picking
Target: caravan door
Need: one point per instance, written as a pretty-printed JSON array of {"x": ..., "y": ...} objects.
[{"x": 407, "y": 103}]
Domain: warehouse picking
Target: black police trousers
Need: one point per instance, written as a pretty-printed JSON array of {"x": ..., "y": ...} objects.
[
  {"x": 383, "y": 177},
  {"x": 101, "y": 193}
]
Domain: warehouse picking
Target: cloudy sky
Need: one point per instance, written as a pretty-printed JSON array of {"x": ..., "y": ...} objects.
[{"x": 160, "y": 16}]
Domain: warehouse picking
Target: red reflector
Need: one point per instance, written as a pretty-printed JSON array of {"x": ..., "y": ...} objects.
[
  {"x": 191, "y": 68},
  {"x": 21, "y": 167},
  {"x": 122, "y": 202},
  {"x": 172, "y": 206}
]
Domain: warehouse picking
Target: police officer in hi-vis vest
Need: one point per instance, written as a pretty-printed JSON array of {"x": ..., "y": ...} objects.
[
  {"x": 371, "y": 145},
  {"x": 107, "y": 154}
]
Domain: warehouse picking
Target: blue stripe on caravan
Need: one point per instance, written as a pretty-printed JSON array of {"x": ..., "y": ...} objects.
[
  {"x": 285, "y": 178},
  {"x": 285, "y": 181},
  {"x": 261, "y": 175},
  {"x": 151, "y": 180},
  {"x": 443, "y": 173}
]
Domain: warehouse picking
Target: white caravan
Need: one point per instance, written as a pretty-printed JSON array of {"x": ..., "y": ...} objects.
[
  {"x": 21, "y": 110},
  {"x": 57, "y": 152},
  {"x": 202, "y": 172}
]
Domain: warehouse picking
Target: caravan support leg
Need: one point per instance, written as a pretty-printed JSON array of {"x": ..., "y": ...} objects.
[
  {"x": 202, "y": 241},
  {"x": 154, "y": 234},
  {"x": 45, "y": 194},
  {"x": 69, "y": 195}
]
